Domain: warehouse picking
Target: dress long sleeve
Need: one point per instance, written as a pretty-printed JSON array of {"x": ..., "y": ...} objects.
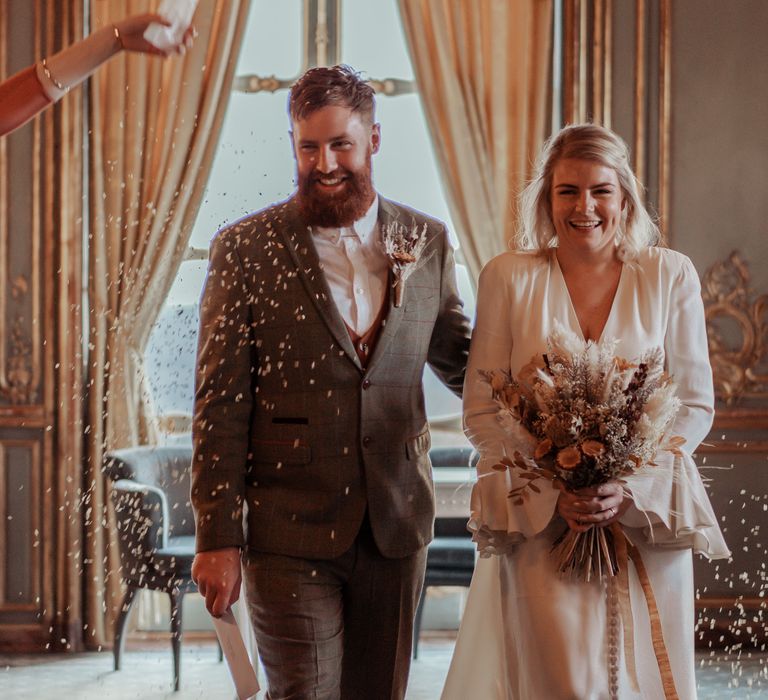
[
  {"x": 674, "y": 507},
  {"x": 497, "y": 524}
]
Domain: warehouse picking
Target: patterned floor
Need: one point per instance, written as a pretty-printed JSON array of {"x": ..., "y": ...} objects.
[{"x": 146, "y": 674}]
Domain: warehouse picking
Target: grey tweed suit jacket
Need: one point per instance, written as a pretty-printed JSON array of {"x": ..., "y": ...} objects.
[{"x": 288, "y": 425}]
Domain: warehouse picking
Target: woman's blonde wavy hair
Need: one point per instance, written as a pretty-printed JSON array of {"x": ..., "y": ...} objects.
[{"x": 585, "y": 142}]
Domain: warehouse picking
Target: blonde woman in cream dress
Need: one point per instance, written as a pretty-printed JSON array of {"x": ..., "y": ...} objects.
[{"x": 588, "y": 263}]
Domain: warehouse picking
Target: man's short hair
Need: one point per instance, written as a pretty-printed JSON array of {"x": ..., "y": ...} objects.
[{"x": 335, "y": 86}]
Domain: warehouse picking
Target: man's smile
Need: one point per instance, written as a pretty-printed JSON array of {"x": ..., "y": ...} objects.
[{"x": 330, "y": 183}]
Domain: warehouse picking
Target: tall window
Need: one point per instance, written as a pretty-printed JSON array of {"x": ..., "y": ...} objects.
[{"x": 254, "y": 165}]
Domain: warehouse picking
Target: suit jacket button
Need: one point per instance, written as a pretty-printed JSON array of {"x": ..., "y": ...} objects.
[
  {"x": 367, "y": 441},
  {"x": 366, "y": 383}
]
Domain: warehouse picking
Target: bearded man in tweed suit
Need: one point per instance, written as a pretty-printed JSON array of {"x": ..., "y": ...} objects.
[{"x": 309, "y": 408}]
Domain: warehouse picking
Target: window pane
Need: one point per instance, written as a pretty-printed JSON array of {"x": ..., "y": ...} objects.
[
  {"x": 170, "y": 359},
  {"x": 372, "y": 39},
  {"x": 405, "y": 168},
  {"x": 253, "y": 165},
  {"x": 273, "y": 38}
]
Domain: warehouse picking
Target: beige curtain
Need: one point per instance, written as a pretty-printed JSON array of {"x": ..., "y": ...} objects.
[
  {"x": 482, "y": 69},
  {"x": 154, "y": 131}
]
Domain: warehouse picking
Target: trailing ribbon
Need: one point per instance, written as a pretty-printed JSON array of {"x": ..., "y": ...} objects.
[
  {"x": 625, "y": 551},
  {"x": 659, "y": 647}
]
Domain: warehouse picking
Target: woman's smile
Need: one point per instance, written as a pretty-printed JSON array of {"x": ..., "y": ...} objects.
[{"x": 586, "y": 202}]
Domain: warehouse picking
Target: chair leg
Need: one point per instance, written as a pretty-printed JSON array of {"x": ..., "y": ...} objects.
[
  {"x": 177, "y": 598},
  {"x": 120, "y": 624},
  {"x": 417, "y": 622}
]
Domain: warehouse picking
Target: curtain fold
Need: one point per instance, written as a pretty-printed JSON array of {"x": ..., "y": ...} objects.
[
  {"x": 154, "y": 130},
  {"x": 482, "y": 69}
]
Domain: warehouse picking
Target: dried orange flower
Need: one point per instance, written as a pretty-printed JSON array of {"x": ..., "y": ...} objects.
[
  {"x": 569, "y": 457},
  {"x": 592, "y": 448}
]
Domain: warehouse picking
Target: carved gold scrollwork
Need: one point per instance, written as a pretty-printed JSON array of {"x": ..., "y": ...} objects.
[
  {"x": 737, "y": 329},
  {"x": 18, "y": 388}
]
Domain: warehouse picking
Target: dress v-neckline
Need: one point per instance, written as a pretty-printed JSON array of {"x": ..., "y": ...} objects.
[{"x": 572, "y": 309}]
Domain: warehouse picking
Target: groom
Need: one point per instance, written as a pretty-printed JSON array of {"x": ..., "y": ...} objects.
[{"x": 309, "y": 408}]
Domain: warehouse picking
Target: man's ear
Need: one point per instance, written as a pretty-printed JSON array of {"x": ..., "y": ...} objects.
[
  {"x": 293, "y": 143},
  {"x": 375, "y": 138}
]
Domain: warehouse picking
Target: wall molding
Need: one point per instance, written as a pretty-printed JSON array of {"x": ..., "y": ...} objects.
[
  {"x": 588, "y": 83},
  {"x": 41, "y": 359},
  {"x": 737, "y": 330},
  {"x": 9, "y": 512}
]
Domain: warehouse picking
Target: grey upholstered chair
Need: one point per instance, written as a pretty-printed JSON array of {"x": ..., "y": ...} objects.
[
  {"x": 156, "y": 531},
  {"x": 451, "y": 554}
]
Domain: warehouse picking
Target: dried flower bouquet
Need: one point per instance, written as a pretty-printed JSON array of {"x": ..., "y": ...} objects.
[{"x": 595, "y": 417}]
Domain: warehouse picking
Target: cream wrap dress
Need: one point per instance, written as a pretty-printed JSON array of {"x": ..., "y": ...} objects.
[{"x": 527, "y": 634}]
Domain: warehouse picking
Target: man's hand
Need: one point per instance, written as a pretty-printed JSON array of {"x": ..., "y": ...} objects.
[{"x": 217, "y": 574}]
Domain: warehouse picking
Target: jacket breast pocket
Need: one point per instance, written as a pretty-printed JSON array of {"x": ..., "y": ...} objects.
[
  {"x": 423, "y": 302},
  {"x": 418, "y": 446}
]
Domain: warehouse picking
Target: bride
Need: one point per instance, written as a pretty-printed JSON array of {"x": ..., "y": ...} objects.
[{"x": 588, "y": 261}]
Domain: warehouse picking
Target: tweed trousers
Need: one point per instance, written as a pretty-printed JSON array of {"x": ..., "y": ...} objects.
[{"x": 335, "y": 629}]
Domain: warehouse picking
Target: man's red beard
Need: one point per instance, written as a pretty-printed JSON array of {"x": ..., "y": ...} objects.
[{"x": 339, "y": 209}]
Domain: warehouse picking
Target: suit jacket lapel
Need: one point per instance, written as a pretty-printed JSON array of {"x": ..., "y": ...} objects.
[
  {"x": 394, "y": 315},
  {"x": 302, "y": 249}
]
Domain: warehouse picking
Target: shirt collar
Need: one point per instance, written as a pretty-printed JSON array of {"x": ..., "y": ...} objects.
[{"x": 363, "y": 228}]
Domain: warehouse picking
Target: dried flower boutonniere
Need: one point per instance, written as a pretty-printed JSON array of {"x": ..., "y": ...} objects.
[{"x": 403, "y": 246}]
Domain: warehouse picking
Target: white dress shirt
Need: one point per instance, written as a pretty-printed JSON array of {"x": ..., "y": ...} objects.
[{"x": 355, "y": 267}]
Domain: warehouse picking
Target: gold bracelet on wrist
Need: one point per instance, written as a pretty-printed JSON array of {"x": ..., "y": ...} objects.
[
  {"x": 118, "y": 37},
  {"x": 53, "y": 80}
]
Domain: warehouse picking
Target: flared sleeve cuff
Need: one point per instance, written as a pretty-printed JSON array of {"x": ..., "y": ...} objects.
[
  {"x": 497, "y": 524},
  {"x": 672, "y": 509}
]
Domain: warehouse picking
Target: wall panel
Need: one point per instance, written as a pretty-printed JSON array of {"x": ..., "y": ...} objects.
[
  {"x": 40, "y": 357},
  {"x": 718, "y": 207}
]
